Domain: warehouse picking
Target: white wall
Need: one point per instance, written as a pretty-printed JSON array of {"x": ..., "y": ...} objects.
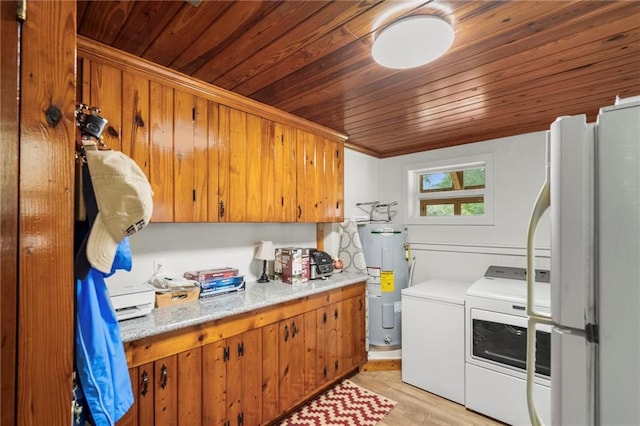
[
  {"x": 189, "y": 246},
  {"x": 464, "y": 252}
]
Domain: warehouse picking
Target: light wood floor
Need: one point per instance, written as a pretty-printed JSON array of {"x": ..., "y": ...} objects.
[{"x": 415, "y": 406}]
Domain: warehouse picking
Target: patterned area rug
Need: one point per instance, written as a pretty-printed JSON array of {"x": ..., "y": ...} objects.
[{"x": 346, "y": 404}]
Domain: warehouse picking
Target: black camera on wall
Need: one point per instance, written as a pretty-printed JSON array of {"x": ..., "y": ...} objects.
[{"x": 89, "y": 121}]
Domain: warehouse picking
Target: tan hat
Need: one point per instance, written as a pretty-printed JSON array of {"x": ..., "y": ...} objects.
[{"x": 125, "y": 203}]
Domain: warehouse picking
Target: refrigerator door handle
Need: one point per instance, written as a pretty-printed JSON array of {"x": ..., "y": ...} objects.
[{"x": 541, "y": 205}]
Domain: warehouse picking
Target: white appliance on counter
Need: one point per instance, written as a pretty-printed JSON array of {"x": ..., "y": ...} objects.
[
  {"x": 433, "y": 337},
  {"x": 593, "y": 191},
  {"x": 496, "y": 345},
  {"x": 131, "y": 300}
]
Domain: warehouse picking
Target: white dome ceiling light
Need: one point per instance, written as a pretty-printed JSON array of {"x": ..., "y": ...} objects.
[{"x": 412, "y": 42}]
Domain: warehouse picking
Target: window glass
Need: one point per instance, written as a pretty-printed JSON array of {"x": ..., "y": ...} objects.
[{"x": 451, "y": 192}]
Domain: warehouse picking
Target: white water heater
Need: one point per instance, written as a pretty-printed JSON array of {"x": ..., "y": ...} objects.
[{"x": 386, "y": 259}]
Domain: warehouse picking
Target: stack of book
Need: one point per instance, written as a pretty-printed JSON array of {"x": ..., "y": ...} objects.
[{"x": 217, "y": 281}]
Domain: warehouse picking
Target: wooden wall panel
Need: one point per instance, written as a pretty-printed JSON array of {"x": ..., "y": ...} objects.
[
  {"x": 46, "y": 188},
  {"x": 106, "y": 94},
  {"x": 9, "y": 160},
  {"x": 135, "y": 119}
]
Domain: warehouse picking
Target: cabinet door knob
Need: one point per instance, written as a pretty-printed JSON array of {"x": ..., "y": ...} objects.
[
  {"x": 163, "y": 376},
  {"x": 286, "y": 333},
  {"x": 294, "y": 329},
  {"x": 145, "y": 383}
]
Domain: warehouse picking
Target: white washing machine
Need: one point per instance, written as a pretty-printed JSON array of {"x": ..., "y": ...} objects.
[{"x": 433, "y": 337}]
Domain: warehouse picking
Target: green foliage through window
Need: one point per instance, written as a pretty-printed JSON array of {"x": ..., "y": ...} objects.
[{"x": 461, "y": 199}]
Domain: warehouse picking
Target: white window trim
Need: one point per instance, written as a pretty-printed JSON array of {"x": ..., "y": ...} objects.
[{"x": 413, "y": 194}]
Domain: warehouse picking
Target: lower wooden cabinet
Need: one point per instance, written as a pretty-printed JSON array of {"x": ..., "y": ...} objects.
[
  {"x": 248, "y": 370},
  {"x": 167, "y": 391}
]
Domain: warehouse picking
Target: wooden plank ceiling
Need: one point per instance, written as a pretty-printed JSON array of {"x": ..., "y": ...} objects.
[{"x": 513, "y": 67}]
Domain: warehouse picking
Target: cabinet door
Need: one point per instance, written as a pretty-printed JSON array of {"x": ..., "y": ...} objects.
[
  {"x": 237, "y": 184},
  {"x": 305, "y": 176},
  {"x": 359, "y": 330},
  {"x": 334, "y": 179},
  {"x": 224, "y": 161},
  {"x": 352, "y": 350},
  {"x": 251, "y": 377},
  {"x": 285, "y": 173},
  {"x": 237, "y": 196},
  {"x": 232, "y": 380},
  {"x": 310, "y": 352},
  {"x": 214, "y": 211},
  {"x": 131, "y": 417},
  {"x": 145, "y": 398},
  {"x": 189, "y": 383},
  {"x": 270, "y": 372},
  {"x": 292, "y": 357},
  {"x": 320, "y": 183},
  {"x": 338, "y": 170},
  {"x": 190, "y": 168},
  {"x": 270, "y": 208},
  {"x": 166, "y": 391},
  {"x": 214, "y": 383},
  {"x": 161, "y": 152},
  {"x": 253, "y": 164},
  {"x": 327, "y": 346}
]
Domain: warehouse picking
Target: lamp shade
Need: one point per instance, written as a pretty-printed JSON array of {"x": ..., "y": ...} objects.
[
  {"x": 265, "y": 251},
  {"x": 412, "y": 42}
]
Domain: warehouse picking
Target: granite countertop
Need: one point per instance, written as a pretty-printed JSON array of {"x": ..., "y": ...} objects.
[{"x": 255, "y": 296}]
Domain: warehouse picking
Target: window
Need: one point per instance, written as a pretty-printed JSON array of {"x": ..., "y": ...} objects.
[
  {"x": 441, "y": 184},
  {"x": 451, "y": 193}
]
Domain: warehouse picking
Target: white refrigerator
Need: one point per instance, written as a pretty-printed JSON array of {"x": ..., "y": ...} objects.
[{"x": 592, "y": 192}]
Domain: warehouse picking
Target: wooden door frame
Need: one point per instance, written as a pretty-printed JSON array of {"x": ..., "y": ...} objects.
[
  {"x": 8, "y": 208},
  {"x": 36, "y": 206}
]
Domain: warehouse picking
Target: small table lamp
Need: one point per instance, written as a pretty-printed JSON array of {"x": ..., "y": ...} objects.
[{"x": 265, "y": 252}]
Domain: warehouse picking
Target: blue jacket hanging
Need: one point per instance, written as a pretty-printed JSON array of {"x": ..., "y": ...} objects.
[{"x": 101, "y": 365}]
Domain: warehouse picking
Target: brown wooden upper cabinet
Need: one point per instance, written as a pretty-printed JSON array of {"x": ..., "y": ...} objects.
[{"x": 210, "y": 155}]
